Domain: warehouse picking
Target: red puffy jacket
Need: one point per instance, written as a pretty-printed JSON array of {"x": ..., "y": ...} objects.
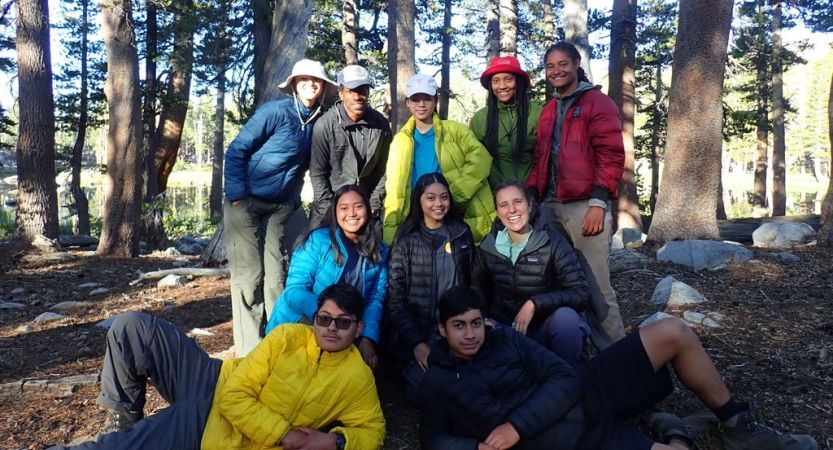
[{"x": 592, "y": 152}]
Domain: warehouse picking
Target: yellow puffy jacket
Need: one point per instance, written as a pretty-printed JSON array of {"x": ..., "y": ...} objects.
[
  {"x": 288, "y": 382},
  {"x": 464, "y": 163}
]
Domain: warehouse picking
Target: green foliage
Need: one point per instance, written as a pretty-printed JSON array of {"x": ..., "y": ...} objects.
[{"x": 177, "y": 227}]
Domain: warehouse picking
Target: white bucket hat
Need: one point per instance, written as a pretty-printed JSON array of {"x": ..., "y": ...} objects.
[{"x": 309, "y": 68}]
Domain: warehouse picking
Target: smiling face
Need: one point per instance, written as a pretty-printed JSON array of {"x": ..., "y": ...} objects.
[
  {"x": 435, "y": 202},
  {"x": 355, "y": 100},
  {"x": 503, "y": 86},
  {"x": 351, "y": 214},
  {"x": 330, "y": 338},
  {"x": 308, "y": 89},
  {"x": 421, "y": 106},
  {"x": 562, "y": 72},
  {"x": 513, "y": 209},
  {"x": 465, "y": 333}
]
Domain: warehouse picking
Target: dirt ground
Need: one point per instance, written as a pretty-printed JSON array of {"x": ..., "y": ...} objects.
[{"x": 775, "y": 346}]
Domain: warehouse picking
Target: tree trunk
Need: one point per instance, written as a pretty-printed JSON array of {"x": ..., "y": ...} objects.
[
  {"x": 549, "y": 39},
  {"x": 153, "y": 229},
  {"x": 262, "y": 30},
  {"x": 123, "y": 193},
  {"x": 655, "y": 136},
  {"x": 289, "y": 40},
  {"x": 575, "y": 21},
  {"x": 622, "y": 90},
  {"x": 721, "y": 208},
  {"x": 215, "y": 200},
  {"x": 759, "y": 203},
  {"x": 401, "y": 57},
  {"x": 445, "y": 64},
  {"x": 37, "y": 198},
  {"x": 779, "y": 163},
  {"x": 825, "y": 238},
  {"x": 509, "y": 27},
  {"x": 82, "y": 209},
  {"x": 492, "y": 30},
  {"x": 349, "y": 39},
  {"x": 686, "y": 204}
]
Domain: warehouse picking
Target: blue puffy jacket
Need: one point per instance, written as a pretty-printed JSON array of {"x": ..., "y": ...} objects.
[
  {"x": 270, "y": 155},
  {"x": 313, "y": 269}
]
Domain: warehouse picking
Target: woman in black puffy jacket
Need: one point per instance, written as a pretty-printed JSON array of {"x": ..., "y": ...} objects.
[
  {"x": 531, "y": 276},
  {"x": 432, "y": 251}
]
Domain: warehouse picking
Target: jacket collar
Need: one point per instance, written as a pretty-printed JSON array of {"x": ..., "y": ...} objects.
[
  {"x": 410, "y": 126},
  {"x": 315, "y": 353}
]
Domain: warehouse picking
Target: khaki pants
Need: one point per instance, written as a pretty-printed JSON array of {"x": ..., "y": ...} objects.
[{"x": 594, "y": 256}]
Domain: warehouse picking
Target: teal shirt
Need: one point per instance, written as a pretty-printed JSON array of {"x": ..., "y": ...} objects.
[
  {"x": 425, "y": 155},
  {"x": 507, "y": 248}
]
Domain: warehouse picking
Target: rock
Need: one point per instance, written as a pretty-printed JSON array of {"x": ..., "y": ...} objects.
[
  {"x": 625, "y": 259},
  {"x": 88, "y": 285},
  {"x": 99, "y": 291},
  {"x": 10, "y": 305},
  {"x": 49, "y": 317},
  {"x": 49, "y": 257},
  {"x": 694, "y": 317},
  {"x": 25, "y": 328},
  {"x": 790, "y": 234},
  {"x": 718, "y": 267},
  {"x": 190, "y": 249},
  {"x": 201, "y": 332},
  {"x": 172, "y": 280},
  {"x": 628, "y": 238},
  {"x": 765, "y": 234},
  {"x": 180, "y": 262},
  {"x": 106, "y": 322},
  {"x": 63, "y": 306},
  {"x": 670, "y": 292},
  {"x": 47, "y": 245},
  {"x": 701, "y": 254},
  {"x": 654, "y": 317},
  {"x": 18, "y": 291},
  {"x": 785, "y": 256},
  {"x": 711, "y": 323},
  {"x": 172, "y": 251}
]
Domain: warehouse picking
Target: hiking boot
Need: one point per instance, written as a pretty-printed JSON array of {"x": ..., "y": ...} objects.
[
  {"x": 743, "y": 432},
  {"x": 704, "y": 423},
  {"x": 120, "y": 421},
  {"x": 669, "y": 427}
]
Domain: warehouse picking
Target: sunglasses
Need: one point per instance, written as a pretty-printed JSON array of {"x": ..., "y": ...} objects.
[{"x": 342, "y": 323}]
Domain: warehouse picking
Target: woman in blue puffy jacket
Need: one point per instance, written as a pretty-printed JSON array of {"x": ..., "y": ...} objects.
[{"x": 346, "y": 248}]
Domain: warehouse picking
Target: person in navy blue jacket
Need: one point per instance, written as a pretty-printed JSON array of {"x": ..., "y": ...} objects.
[
  {"x": 264, "y": 173},
  {"x": 347, "y": 248}
]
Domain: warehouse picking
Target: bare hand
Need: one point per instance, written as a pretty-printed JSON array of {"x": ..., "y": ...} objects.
[
  {"x": 368, "y": 352},
  {"x": 421, "y": 353},
  {"x": 484, "y": 446},
  {"x": 593, "y": 222},
  {"x": 294, "y": 440},
  {"x": 503, "y": 437},
  {"x": 317, "y": 440},
  {"x": 234, "y": 203},
  {"x": 524, "y": 317}
]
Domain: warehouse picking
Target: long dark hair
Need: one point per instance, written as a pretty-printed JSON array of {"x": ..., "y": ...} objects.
[
  {"x": 491, "y": 138},
  {"x": 369, "y": 241},
  {"x": 415, "y": 216},
  {"x": 572, "y": 52}
]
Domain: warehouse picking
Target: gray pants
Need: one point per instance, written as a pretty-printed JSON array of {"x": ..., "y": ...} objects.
[
  {"x": 255, "y": 244},
  {"x": 593, "y": 252},
  {"x": 141, "y": 347}
]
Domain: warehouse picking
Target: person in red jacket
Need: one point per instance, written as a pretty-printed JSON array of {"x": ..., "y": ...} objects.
[{"x": 578, "y": 163}]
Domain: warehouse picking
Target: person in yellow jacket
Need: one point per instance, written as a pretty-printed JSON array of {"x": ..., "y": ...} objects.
[
  {"x": 427, "y": 144},
  {"x": 302, "y": 387}
]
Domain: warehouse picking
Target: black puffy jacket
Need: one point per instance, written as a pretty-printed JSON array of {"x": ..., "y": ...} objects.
[
  {"x": 547, "y": 271},
  {"x": 511, "y": 379},
  {"x": 412, "y": 303}
]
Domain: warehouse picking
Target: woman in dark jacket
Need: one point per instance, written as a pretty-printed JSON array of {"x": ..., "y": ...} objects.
[
  {"x": 432, "y": 251},
  {"x": 531, "y": 276}
]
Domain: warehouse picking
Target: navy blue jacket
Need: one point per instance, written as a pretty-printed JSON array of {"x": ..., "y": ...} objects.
[{"x": 270, "y": 155}]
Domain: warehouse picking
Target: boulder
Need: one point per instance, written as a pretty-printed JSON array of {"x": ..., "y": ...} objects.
[
  {"x": 701, "y": 254},
  {"x": 47, "y": 245},
  {"x": 654, "y": 317},
  {"x": 787, "y": 234},
  {"x": 671, "y": 293},
  {"x": 628, "y": 238},
  {"x": 49, "y": 317},
  {"x": 172, "y": 280}
]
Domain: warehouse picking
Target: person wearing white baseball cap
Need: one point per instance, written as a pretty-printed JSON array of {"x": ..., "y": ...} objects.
[
  {"x": 264, "y": 173},
  {"x": 426, "y": 144},
  {"x": 349, "y": 146}
]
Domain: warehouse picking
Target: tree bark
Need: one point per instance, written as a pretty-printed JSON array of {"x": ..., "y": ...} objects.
[
  {"x": 349, "y": 39},
  {"x": 656, "y": 148},
  {"x": 622, "y": 89},
  {"x": 262, "y": 30},
  {"x": 576, "y": 32},
  {"x": 401, "y": 57},
  {"x": 509, "y": 27},
  {"x": 123, "y": 193},
  {"x": 492, "y": 30},
  {"x": 759, "y": 201},
  {"x": 153, "y": 222},
  {"x": 215, "y": 199},
  {"x": 779, "y": 163},
  {"x": 82, "y": 209},
  {"x": 825, "y": 238},
  {"x": 289, "y": 40},
  {"x": 686, "y": 204},
  {"x": 37, "y": 199},
  {"x": 445, "y": 63}
]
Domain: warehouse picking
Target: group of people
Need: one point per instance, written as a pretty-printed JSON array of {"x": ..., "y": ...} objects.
[{"x": 483, "y": 250}]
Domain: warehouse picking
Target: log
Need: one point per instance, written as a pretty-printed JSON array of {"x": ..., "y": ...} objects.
[
  {"x": 77, "y": 240},
  {"x": 741, "y": 229},
  {"x": 186, "y": 271}
]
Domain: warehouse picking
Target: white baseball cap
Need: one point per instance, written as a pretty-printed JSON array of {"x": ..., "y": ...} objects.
[
  {"x": 353, "y": 77},
  {"x": 308, "y": 68},
  {"x": 421, "y": 84}
]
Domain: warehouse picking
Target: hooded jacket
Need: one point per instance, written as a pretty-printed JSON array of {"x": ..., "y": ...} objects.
[
  {"x": 464, "y": 162},
  {"x": 592, "y": 153},
  {"x": 346, "y": 152},
  {"x": 547, "y": 272},
  {"x": 288, "y": 382},
  {"x": 269, "y": 156}
]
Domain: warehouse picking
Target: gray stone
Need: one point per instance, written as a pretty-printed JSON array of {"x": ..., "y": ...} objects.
[
  {"x": 765, "y": 234},
  {"x": 784, "y": 256},
  {"x": 47, "y": 245},
  {"x": 106, "y": 322},
  {"x": 88, "y": 285},
  {"x": 172, "y": 251},
  {"x": 180, "y": 262},
  {"x": 190, "y": 249},
  {"x": 63, "y": 306},
  {"x": 10, "y": 305},
  {"x": 48, "y": 257},
  {"x": 18, "y": 291},
  {"x": 718, "y": 267},
  {"x": 99, "y": 291},
  {"x": 694, "y": 317},
  {"x": 172, "y": 280},
  {"x": 711, "y": 323},
  {"x": 670, "y": 292},
  {"x": 701, "y": 254},
  {"x": 790, "y": 234},
  {"x": 654, "y": 317},
  {"x": 628, "y": 238},
  {"x": 49, "y": 317},
  {"x": 25, "y": 328}
]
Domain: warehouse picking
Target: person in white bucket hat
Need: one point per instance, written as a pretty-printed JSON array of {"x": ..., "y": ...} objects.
[{"x": 264, "y": 174}]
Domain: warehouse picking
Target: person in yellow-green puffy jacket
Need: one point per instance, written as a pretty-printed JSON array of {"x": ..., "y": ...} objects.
[
  {"x": 302, "y": 387},
  {"x": 427, "y": 144},
  {"x": 508, "y": 110}
]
